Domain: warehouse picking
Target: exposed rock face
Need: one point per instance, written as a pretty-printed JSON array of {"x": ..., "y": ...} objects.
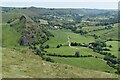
[
  {"x": 22, "y": 17},
  {"x": 23, "y": 41},
  {"x": 30, "y": 31},
  {"x": 27, "y": 35}
]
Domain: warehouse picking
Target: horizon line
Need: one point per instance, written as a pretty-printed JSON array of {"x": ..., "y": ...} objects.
[
  {"x": 90, "y": 5},
  {"x": 58, "y": 7}
]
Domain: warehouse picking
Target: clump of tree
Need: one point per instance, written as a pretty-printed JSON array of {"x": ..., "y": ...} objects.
[
  {"x": 77, "y": 54},
  {"x": 75, "y": 44},
  {"x": 110, "y": 39},
  {"x": 118, "y": 68},
  {"x": 47, "y": 46},
  {"x": 97, "y": 48},
  {"x": 39, "y": 52},
  {"x": 110, "y": 46},
  {"x": 106, "y": 49},
  {"x": 119, "y": 49},
  {"x": 59, "y": 55},
  {"x": 82, "y": 32},
  {"x": 112, "y": 61},
  {"x": 79, "y": 44},
  {"x": 98, "y": 45},
  {"x": 96, "y": 36},
  {"x": 58, "y": 46},
  {"x": 108, "y": 27},
  {"x": 47, "y": 59}
]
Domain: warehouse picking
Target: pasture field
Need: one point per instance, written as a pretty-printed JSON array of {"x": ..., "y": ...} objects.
[
  {"x": 107, "y": 34},
  {"x": 91, "y": 28},
  {"x": 61, "y": 37},
  {"x": 86, "y": 63},
  {"x": 66, "y": 50},
  {"x": 114, "y": 49}
]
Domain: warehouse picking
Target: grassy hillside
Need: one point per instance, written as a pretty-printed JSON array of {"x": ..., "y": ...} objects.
[
  {"x": 10, "y": 36},
  {"x": 0, "y": 34},
  {"x": 1, "y": 62},
  {"x": 16, "y": 64}
]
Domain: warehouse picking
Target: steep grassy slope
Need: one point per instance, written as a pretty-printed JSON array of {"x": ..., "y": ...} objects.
[
  {"x": 0, "y": 62},
  {"x": 0, "y": 34},
  {"x": 16, "y": 64},
  {"x": 0, "y": 49},
  {"x": 10, "y": 36}
]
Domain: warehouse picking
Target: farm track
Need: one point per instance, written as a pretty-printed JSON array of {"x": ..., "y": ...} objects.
[{"x": 70, "y": 43}]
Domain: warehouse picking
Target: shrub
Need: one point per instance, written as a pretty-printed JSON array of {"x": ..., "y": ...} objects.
[
  {"x": 119, "y": 49},
  {"x": 38, "y": 52},
  {"x": 77, "y": 54},
  {"x": 58, "y": 46},
  {"x": 47, "y": 59},
  {"x": 47, "y": 46},
  {"x": 110, "y": 46}
]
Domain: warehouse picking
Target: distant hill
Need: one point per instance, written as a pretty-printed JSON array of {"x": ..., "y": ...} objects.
[{"x": 11, "y": 13}]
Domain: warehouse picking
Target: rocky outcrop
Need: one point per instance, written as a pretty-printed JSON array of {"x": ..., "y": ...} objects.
[{"x": 23, "y": 41}]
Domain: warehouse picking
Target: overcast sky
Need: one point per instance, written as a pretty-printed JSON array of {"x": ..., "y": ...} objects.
[{"x": 94, "y": 4}]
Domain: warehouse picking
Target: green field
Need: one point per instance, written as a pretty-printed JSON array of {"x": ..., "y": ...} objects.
[
  {"x": 91, "y": 28},
  {"x": 61, "y": 37},
  {"x": 114, "y": 49},
  {"x": 107, "y": 34},
  {"x": 66, "y": 50},
  {"x": 86, "y": 63}
]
